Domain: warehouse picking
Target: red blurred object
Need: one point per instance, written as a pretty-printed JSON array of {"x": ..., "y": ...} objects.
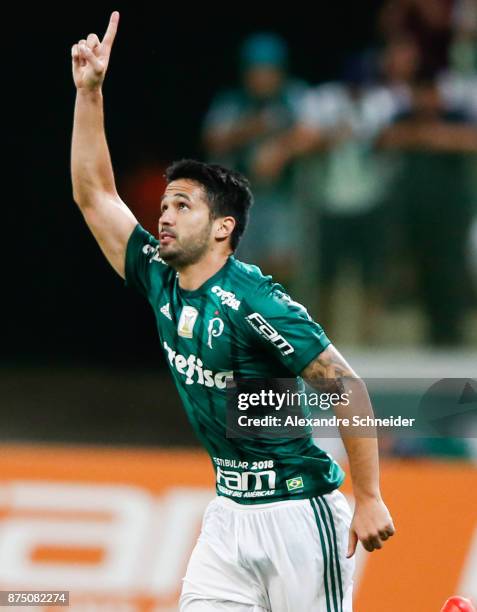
[
  {"x": 142, "y": 190},
  {"x": 458, "y": 604}
]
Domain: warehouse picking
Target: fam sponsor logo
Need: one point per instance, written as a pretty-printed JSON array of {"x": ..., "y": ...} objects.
[
  {"x": 193, "y": 369},
  {"x": 246, "y": 481},
  {"x": 263, "y": 327},
  {"x": 226, "y": 297}
]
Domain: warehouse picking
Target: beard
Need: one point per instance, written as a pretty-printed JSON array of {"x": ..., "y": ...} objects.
[{"x": 178, "y": 255}]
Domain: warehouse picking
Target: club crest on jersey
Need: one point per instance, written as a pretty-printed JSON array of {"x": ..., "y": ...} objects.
[
  {"x": 185, "y": 327},
  {"x": 214, "y": 329}
]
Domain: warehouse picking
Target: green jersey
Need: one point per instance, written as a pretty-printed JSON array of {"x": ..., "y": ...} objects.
[{"x": 238, "y": 325}]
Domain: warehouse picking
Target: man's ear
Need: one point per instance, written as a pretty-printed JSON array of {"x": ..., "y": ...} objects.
[{"x": 224, "y": 227}]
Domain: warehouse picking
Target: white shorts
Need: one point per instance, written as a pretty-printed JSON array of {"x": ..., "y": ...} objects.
[{"x": 287, "y": 556}]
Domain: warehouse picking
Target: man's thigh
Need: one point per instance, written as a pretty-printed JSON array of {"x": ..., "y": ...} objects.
[
  {"x": 308, "y": 547},
  {"x": 214, "y": 572},
  {"x": 288, "y": 557},
  {"x": 212, "y": 576}
]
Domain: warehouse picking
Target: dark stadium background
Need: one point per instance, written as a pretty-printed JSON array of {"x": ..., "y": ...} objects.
[{"x": 63, "y": 303}]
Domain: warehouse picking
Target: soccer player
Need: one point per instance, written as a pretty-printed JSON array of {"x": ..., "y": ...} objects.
[{"x": 279, "y": 535}]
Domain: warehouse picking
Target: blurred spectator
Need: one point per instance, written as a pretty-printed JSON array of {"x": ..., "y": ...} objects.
[
  {"x": 429, "y": 22},
  {"x": 399, "y": 64},
  {"x": 340, "y": 123},
  {"x": 447, "y": 35},
  {"x": 458, "y": 84},
  {"x": 459, "y": 88},
  {"x": 242, "y": 130},
  {"x": 473, "y": 249},
  {"x": 435, "y": 193},
  {"x": 463, "y": 52},
  {"x": 459, "y": 92}
]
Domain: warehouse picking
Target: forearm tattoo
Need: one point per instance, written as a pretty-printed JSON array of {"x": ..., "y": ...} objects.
[{"x": 328, "y": 372}]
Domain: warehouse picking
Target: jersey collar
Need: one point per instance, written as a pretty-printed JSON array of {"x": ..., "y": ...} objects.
[{"x": 208, "y": 283}]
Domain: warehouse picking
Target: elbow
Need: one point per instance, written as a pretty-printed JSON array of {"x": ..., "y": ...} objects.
[
  {"x": 82, "y": 200},
  {"x": 79, "y": 189},
  {"x": 86, "y": 195},
  {"x": 76, "y": 197},
  {"x": 79, "y": 197}
]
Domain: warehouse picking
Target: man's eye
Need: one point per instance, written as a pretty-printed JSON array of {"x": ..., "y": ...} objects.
[{"x": 183, "y": 205}]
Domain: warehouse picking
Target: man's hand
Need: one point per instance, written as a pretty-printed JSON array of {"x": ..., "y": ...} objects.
[
  {"x": 94, "y": 187},
  {"x": 91, "y": 57},
  {"x": 371, "y": 525}
]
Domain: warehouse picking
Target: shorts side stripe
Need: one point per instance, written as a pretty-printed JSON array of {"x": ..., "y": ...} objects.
[
  {"x": 338, "y": 568},
  {"x": 333, "y": 553},
  {"x": 325, "y": 557}
]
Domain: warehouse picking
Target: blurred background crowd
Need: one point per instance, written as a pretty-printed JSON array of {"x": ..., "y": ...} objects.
[
  {"x": 358, "y": 133},
  {"x": 370, "y": 178},
  {"x": 365, "y": 184}
]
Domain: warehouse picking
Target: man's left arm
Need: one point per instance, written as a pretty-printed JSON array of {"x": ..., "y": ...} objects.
[{"x": 372, "y": 524}]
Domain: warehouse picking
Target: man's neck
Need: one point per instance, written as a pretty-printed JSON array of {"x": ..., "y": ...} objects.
[{"x": 195, "y": 275}]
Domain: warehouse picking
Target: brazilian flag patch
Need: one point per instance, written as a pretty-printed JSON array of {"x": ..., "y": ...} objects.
[{"x": 294, "y": 484}]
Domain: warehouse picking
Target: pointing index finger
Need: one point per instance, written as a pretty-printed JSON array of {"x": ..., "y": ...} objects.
[{"x": 110, "y": 33}]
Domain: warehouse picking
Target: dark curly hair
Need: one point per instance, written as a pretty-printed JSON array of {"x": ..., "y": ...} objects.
[{"x": 228, "y": 192}]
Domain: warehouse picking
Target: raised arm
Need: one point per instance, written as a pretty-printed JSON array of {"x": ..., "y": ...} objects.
[
  {"x": 372, "y": 523},
  {"x": 94, "y": 189}
]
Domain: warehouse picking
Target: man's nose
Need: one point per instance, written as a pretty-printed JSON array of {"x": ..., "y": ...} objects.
[{"x": 167, "y": 218}]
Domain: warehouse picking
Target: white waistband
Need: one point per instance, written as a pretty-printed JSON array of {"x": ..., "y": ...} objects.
[{"x": 230, "y": 503}]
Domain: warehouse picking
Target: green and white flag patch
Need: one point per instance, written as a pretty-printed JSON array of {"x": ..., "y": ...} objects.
[{"x": 295, "y": 483}]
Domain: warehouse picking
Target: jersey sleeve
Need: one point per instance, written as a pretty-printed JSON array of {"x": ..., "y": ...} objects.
[
  {"x": 283, "y": 326},
  {"x": 145, "y": 270}
]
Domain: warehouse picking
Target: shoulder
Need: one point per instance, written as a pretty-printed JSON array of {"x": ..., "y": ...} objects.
[
  {"x": 247, "y": 279},
  {"x": 256, "y": 291},
  {"x": 242, "y": 285},
  {"x": 235, "y": 287}
]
